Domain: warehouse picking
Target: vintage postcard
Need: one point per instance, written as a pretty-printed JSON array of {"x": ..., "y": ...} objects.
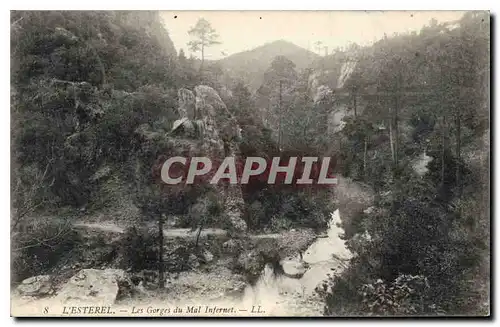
[{"x": 250, "y": 163}]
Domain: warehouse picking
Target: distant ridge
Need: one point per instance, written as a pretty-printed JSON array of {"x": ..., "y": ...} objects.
[{"x": 250, "y": 65}]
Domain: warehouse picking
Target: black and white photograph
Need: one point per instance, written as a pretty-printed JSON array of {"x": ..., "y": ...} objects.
[{"x": 250, "y": 163}]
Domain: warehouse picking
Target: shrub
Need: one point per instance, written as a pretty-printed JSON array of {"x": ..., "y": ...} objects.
[
  {"x": 39, "y": 244},
  {"x": 138, "y": 250},
  {"x": 406, "y": 295}
]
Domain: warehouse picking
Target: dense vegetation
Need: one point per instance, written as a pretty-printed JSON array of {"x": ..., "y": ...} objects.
[
  {"x": 95, "y": 95},
  {"x": 82, "y": 84},
  {"x": 428, "y": 245}
]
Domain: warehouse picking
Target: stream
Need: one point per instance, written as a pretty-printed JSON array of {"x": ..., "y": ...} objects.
[
  {"x": 272, "y": 295},
  {"x": 282, "y": 295}
]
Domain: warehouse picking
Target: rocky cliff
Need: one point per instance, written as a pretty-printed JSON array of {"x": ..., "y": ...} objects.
[{"x": 204, "y": 118}]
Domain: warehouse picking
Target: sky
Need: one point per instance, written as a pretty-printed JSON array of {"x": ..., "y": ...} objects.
[{"x": 245, "y": 30}]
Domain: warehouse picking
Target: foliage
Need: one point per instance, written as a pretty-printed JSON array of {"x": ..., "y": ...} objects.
[
  {"x": 418, "y": 228},
  {"x": 94, "y": 96},
  {"x": 206, "y": 211},
  {"x": 83, "y": 82},
  {"x": 404, "y": 296},
  {"x": 37, "y": 245},
  {"x": 204, "y": 36},
  {"x": 137, "y": 250}
]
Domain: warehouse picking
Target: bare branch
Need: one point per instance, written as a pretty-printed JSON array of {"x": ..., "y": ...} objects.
[
  {"x": 28, "y": 206},
  {"x": 64, "y": 230},
  {"x": 14, "y": 24}
]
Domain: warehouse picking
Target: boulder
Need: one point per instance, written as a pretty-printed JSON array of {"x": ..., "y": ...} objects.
[
  {"x": 193, "y": 261},
  {"x": 369, "y": 210},
  {"x": 293, "y": 269},
  {"x": 37, "y": 286},
  {"x": 96, "y": 287},
  {"x": 207, "y": 256}
]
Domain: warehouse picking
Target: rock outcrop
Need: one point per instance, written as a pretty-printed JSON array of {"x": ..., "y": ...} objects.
[
  {"x": 293, "y": 269},
  {"x": 218, "y": 134},
  {"x": 96, "y": 287},
  {"x": 207, "y": 256},
  {"x": 37, "y": 286},
  {"x": 187, "y": 108}
]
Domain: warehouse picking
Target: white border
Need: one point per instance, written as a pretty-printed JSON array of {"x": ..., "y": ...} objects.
[{"x": 184, "y": 5}]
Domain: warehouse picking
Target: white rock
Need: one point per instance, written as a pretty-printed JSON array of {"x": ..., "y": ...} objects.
[
  {"x": 193, "y": 261},
  {"x": 207, "y": 256},
  {"x": 293, "y": 269},
  {"x": 96, "y": 287},
  {"x": 178, "y": 123},
  {"x": 368, "y": 210},
  {"x": 36, "y": 286}
]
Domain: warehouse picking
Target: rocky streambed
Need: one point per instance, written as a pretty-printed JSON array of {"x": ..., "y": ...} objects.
[
  {"x": 292, "y": 292},
  {"x": 212, "y": 280}
]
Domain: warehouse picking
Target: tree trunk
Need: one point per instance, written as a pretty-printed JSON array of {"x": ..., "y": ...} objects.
[
  {"x": 396, "y": 129},
  {"x": 161, "y": 277},
  {"x": 458, "y": 150},
  {"x": 443, "y": 141},
  {"x": 391, "y": 140},
  {"x": 339, "y": 161},
  {"x": 202, "y": 57},
  {"x": 279, "y": 118},
  {"x": 443, "y": 129},
  {"x": 364, "y": 156},
  {"x": 355, "y": 105},
  {"x": 198, "y": 236},
  {"x": 395, "y": 118}
]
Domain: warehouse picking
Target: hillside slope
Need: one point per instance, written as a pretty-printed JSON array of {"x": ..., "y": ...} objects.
[
  {"x": 251, "y": 65},
  {"x": 82, "y": 83}
]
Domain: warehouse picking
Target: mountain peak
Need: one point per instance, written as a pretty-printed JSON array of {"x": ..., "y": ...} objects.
[
  {"x": 253, "y": 63},
  {"x": 281, "y": 41}
]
